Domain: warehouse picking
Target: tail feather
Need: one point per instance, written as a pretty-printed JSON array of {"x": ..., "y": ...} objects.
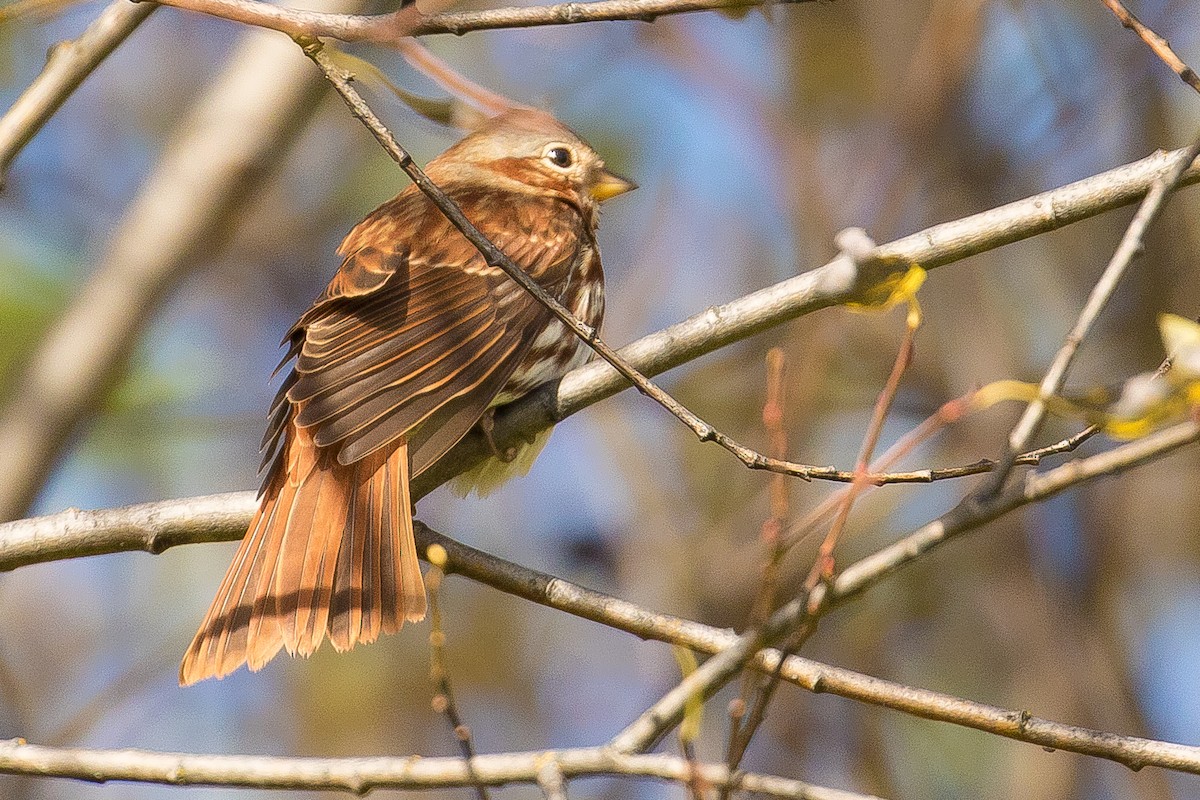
[
  {"x": 346, "y": 605},
  {"x": 330, "y": 551}
]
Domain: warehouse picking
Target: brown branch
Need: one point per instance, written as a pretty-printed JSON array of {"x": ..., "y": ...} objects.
[
  {"x": 443, "y": 699},
  {"x": 1160, "y": 46},
  {"x": 393, "y": 27},
  {"x": 772, "y": 537}
]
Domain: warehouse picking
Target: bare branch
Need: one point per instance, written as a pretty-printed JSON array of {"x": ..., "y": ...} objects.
[
  {"x": 361, "y": 775},
  {"x": 224, "y": 517},
  {"x": 973, "y": 513},
  {"x": 810, "y": 291},
  {"x": 1129, "y": 247},
  {"x": 68, "y": 65},
  {"x": 393, "y": 27},
  {"x": 865, "y": 270},
  {"x": 704, "y": 431},
  {"x": 443, "y": 700},
  {"x": 244, "y": 125},
  {"x": 1160, "y": 46}
]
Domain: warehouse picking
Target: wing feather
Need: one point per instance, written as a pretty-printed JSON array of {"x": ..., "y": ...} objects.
[{"x": 417, "y": 343}]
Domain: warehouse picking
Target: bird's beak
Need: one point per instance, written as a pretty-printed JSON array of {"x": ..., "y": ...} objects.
[{"x": 608, "y": 185}]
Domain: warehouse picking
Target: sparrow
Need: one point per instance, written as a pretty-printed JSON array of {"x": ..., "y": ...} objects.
[{"x": 415, "y": 340}]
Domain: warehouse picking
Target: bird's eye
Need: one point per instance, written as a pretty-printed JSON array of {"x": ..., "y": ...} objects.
[{"x": 559, "y": 157}]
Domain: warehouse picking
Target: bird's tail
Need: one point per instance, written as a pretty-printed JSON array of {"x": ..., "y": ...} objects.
[{"x": 330, "y": 551}]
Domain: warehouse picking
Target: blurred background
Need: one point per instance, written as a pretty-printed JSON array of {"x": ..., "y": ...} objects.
[{"x": 754, "y": 140}]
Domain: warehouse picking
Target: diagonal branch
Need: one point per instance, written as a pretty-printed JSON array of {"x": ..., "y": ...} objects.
[
  {"x": 67, "y": 66},
  {"x": 1129, "y": 248},
  {"x": 1157, "y": 44},
  {"x": 856, "y": 274},
  {"x": 495, "y": 257}
]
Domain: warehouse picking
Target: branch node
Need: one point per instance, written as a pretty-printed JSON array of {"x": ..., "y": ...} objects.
[{"x": 311, "y": 45}]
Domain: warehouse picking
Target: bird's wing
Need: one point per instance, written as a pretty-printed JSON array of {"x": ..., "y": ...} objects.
[{"x": 415, "y": 323}]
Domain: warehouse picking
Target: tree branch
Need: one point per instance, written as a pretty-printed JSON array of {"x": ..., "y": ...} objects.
[
  {"x": 495, "y": 257},
  {"x": 719, "y": 326},
  {"x": 67, "y": 66},
  {"x": 244, "y": 125},
  {"x": 153, "y": 527},
  {"x": 361, "y": 775},
  {"x": 1157, "y": 44},
  {"x": 395, "y": 26},
  {"x": 1129, "y": 248}
]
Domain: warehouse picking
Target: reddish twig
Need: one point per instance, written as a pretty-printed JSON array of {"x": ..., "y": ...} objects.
[
  {"x": 772, "y": 539},
  {"x": 823, "y": 566}
]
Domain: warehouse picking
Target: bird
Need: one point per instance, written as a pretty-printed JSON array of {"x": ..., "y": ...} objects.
[{"x": 415, "y": 340}]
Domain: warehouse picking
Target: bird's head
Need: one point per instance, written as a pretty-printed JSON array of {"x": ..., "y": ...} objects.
[{"x": 526, "y": 150}]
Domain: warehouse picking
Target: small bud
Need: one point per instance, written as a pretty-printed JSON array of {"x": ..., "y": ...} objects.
[
  {"x": 737, "y": 708},
  {"x": 437, "y": 555}
]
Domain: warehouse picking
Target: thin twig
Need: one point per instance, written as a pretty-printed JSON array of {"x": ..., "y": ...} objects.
[
  {"x": 823, "y": 566},
  {"x": 1129, "y": 247},
  {"x": 864, "y": 263},
  {"x": 443, "y": 699},
  {"x": 953, "y": 409},
  {"x": 822, "y": 569},
  {"x": 1160, "y": 46},
  {"x": 773, "y": 540},
  {"x": 393, "y": 27},
  {"x": 704, "y": 431},
  {"x": 67, "y": 66},
  {"x": 809, "y": 291}
]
